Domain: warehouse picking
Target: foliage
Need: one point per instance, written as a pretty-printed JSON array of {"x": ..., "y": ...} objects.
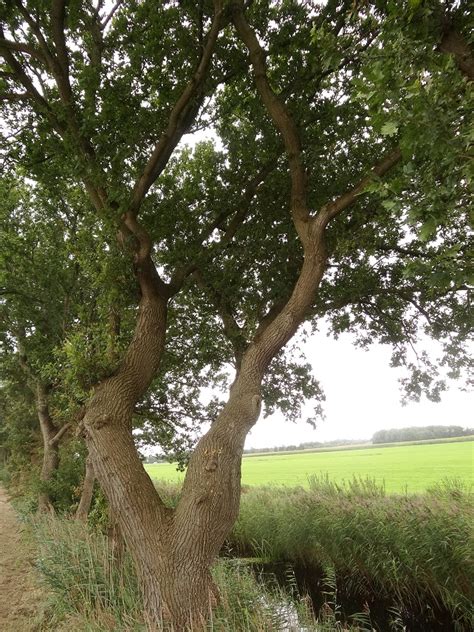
[
  {"x": 397, "y": 257},
  {"x": 65, "y": 485},
  {"x": 373, "y": 108},
  {"x": 79, "y": 570},
  {"x": 18, "y": 438},
  {"x": 411, "y": 553}
]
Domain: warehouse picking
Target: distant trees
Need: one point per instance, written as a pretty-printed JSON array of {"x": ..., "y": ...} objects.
[
  {"x": 414, "y": 433},
  {"x": 307, "y": 445}
]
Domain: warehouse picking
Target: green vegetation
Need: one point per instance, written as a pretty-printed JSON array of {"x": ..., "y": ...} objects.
[
  {"x": 411, "y": 468},
  {"x": 410, "y": 553},
  {"x": 348, "y": 552},
  {"x": 332, "y": 185},
  {"x": 91, "y": 591}
]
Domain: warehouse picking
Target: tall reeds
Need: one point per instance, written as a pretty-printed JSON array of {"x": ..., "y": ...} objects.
[
  {"x": 408, "y": 552},
  {"x": 91, "y": 592},
  {"x": 358, "y": 550}
]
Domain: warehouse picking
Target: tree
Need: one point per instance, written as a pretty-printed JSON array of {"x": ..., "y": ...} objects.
[
  {"x": 352, "y": 115},
  {"x": 38, "y": 289}
]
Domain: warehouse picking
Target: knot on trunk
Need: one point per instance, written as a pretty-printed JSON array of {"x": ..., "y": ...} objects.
[
  {"x": 99, "y": 421},
  {"x": 211, "y": 465},
  {"x": 256, "y": 403}
]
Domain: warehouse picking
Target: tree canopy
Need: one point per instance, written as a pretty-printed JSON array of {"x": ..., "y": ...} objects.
[{"x": 334, "y": 181}]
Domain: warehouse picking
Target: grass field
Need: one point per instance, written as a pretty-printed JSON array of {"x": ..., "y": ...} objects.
[{"x": 411, "y": 468}]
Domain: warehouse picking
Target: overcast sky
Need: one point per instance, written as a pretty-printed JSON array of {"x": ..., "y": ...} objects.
[{"x": 362, "y": 396}]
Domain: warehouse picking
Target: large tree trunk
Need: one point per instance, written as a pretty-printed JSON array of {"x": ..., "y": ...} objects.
[
  {"x": 142, "y": 517},
  {"x": 174, "y": 550},
  {"x": 85, "y": 501}
]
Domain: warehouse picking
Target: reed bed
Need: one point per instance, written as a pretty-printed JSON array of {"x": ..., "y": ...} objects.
[{"x": 411, "y": 553}]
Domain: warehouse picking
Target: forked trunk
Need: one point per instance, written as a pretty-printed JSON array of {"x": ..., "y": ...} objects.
[{"x": 174, "y": 550}]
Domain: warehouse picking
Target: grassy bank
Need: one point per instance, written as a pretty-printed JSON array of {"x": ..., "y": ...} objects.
[{"x": 401, "y": 468}]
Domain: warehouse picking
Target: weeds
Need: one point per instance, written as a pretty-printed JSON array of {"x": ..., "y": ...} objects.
[{"x": 409, "y": 553}]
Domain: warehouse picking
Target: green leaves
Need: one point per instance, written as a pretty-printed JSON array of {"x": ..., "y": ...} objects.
[
  {"x": 358, "y": 80},
  {"x": 389, "y": 129},
  {"x": 428, "y": 229}
]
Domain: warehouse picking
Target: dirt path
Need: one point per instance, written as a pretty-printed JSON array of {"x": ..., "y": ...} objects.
[{"x": 20, "y": 596}]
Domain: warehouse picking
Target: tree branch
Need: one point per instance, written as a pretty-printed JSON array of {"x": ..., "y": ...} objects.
[
  {"x": 59, "y": 435},
  {"x": 232, "y": 330},
  {"x": 111, "y": 14},
  {"x": 330, "y": 210},
  {"x": 59, "y": 67},
  {"x": 14, "y": 96},
  {"x": 21, "y": 47},
  {"x": 58, "y": 17},
  {"x": 31, "y": 91},
  {"x": 180, "y": 118},
  {"x": 182, "y": 272},
  {"x": 5, "y": 291},
  {"x": 36, "y": 30},
  {"x": 454, "y": 44},
  {"x": 280, "y": 116}
]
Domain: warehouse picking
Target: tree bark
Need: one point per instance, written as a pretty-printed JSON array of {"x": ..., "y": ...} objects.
[
  {"x": 116, "y": 541},
  {"x": 174, "y": 550},
  {"x": 84, "y": 506},
  {"x": 454, "y": 44},
  {"x": 141, "y": 515},
  {"x": 50, "y": 449}
]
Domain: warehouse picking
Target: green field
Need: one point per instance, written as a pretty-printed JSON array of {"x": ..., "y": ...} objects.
[{"x": 410, "y": 468}]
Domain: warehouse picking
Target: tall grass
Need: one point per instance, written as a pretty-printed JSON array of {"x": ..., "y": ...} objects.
[
  {"x": 410, "y": 552},
  {"x": 91, "y": 592},
  {"x": 359, "y": 548}
]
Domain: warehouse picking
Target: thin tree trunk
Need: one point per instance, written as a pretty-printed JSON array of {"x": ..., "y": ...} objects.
[
  {"x": 50, "y": 449},
  {"x": 84, "y": 506}
]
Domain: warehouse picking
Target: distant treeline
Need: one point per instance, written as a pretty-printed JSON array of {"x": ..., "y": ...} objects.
[
  {"x": 394, "y": 435},
  {"x": 415, "y": 433},
  {"x": 309, "y": 445}
]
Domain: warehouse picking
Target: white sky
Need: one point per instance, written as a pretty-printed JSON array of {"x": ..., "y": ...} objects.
[{"x": 362, "y": 396}]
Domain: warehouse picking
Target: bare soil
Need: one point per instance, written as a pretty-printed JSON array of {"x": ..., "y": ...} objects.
[{"x": 21, "y": 598}]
